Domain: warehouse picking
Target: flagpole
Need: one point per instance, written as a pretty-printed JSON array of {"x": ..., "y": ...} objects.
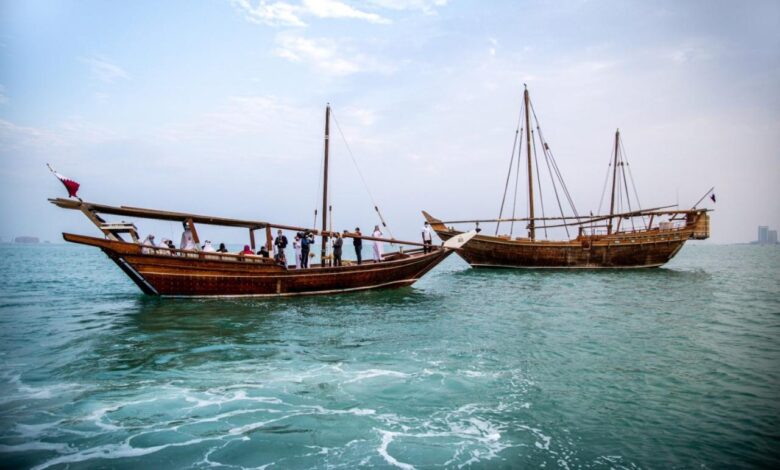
[
  {"x": 65, "y": 180},
  {"x": 702, "y": 198}
]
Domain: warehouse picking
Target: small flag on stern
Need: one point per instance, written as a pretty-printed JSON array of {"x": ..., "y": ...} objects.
[
  {"x": 712, "y": 196},
  {"x": 70, "y": 185}
]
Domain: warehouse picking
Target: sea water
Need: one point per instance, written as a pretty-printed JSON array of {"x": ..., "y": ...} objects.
[{"x": 659, "y": 368}]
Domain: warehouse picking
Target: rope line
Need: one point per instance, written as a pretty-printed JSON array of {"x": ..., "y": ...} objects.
[
  {"x": 360, "y": 173},
  {"x": 547, "y": 149},
  {"x": 555, "y": 189},
  {"x": 539, "y": 183},
  {"x": 517, "y": 183},
  {"x": 518, "y": 131}
]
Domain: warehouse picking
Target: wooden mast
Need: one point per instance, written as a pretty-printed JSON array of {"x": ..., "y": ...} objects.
[
  {"x": 531, "y": 228},
  {"x": 614, "y": 179},
  {"x": 325, "y": 188}
]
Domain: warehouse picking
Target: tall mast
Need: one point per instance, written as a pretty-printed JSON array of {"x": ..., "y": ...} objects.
[
  {"x": 614, "y": 179},
  {"x": 531, "y": 228},
  {"x": 325, "y": 187}
]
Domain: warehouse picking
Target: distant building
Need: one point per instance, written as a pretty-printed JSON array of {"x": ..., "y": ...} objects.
[
  {"x": 26, "y": 240},
  {"x": 772, "y": 237},
  {"x": 763, "y": 234}
]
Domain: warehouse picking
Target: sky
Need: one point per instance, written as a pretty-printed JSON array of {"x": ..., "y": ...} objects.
[{"x": 217, "y": 107}]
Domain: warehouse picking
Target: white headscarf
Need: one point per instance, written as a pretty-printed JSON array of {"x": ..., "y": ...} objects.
[{"x": 187, "y": 242}]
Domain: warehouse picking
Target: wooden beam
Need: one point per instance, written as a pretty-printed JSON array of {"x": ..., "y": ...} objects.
[
  {"x": 99, "y": 224},
  {"x": 92, "y": 209},
  {"x": 156, "y": 214},
  {"x": 195, "y": 237},
  {"x": 252, "y": 238},
  {"x": 585, "y": 218}
]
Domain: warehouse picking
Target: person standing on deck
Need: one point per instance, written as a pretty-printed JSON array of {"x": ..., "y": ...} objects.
[
  {"x": 337, "y": 244},
  {"x": 377, "y": 244},
  {"x": 357, "y": 242},
  {"x": 427, "y": 240},
  {"x": 187, "y": 241},
  {"x": 279, "y": 245},
  {"x": 297, "y": 249},
  {"x": 306, "y": 242},
  {"x": 148, "y": 241}
]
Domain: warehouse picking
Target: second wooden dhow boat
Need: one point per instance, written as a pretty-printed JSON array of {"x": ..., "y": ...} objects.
[
  {"x": 632, "y": 238},
  {"x": 163, "y": 271}
]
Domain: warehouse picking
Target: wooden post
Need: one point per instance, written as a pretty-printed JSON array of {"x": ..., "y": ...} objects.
[
  {"x": 531, "y": 225},
  {"x": 268, "y": 238},
  {"x": 325, "y": 188},
  {"x": 252, "y": 238},
  {"x": 95, "y": 219},
  {"x": 195, "y": 238}
]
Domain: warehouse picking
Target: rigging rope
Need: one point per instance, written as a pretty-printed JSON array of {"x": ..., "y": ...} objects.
[
  {"x": 606, "y": 180},
  {"x": 365, "y": 185},
  {"x": 628, "y": 194},
  {"x": 539, "y": 183},
  {"x": 317, "y": 194},
  {"x": 633, "y": 184},
  {"x": 555, "y": 165},
  {"x": 518, "y": 131},
  {"x": 517, "y": 183},
  {"x": 555, "y": 188}
]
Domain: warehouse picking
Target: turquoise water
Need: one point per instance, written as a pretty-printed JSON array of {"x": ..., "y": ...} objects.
[{"x": 674, "y": 367}]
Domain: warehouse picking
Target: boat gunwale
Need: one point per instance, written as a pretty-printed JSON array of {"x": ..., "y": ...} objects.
[
  {"x": 257, "y": 262},
  {"x": 599, "y": 241}
]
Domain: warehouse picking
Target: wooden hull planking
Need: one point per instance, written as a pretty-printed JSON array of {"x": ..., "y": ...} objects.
[{"x": 214, "y": 274}]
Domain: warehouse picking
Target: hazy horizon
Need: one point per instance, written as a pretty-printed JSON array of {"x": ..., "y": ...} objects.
[{"x": 217, "y": 107}]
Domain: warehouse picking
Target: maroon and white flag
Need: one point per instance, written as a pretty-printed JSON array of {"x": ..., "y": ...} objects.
[{"x": 70, "y": 185}]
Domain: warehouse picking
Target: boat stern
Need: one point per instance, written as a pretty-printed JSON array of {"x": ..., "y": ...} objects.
[
  {"x": 438, "y": 226},
  {"x": 699, "y": 222}
]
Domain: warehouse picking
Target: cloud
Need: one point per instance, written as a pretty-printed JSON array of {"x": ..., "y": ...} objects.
[
  {"x": 493, "y": 45},
  {"x": 273, "y": 14},
  {"x": 689, "y": 53},
  {"x": 426, "y": 6},
  {"x": 243, "y": 116},
  {"x": 73, "y": 131},
  {"x": 326, "y": 55},
  {"x": 363, "y": 116},
  {"x": 13, "y": 135},
  {"x": 103, "y": 70},
  {"x": 335, "y": 9},
  {"x": 288, "y": 14}
]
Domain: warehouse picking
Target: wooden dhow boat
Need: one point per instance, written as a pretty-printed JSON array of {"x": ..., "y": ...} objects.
[
  {"x": 162, "y": 271},
  {"x": 629, "y": 238}
]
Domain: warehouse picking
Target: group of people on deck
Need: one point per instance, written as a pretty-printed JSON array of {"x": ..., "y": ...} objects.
[{"x": 302, "y": 244}]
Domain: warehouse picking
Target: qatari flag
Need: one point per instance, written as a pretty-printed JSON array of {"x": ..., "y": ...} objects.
[{"x": 70, "y": 185}]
